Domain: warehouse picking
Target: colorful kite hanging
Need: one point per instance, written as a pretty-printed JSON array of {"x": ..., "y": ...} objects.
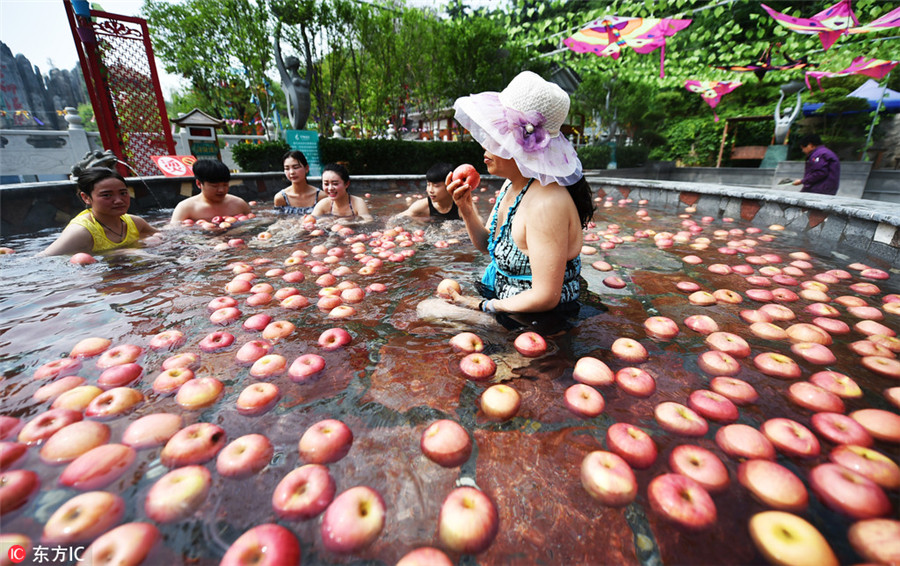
[
  {"x": 607, "y": 36},
  {"x": 834, "y": 22},
  {"x": 875, "y": 68},
  {"x": 711, "y": 91},
  {"x": 764, "y": 64}
]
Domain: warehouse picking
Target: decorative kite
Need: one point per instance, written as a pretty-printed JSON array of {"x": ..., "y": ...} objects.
[
  {"x": 830, "y": 23},
  {"x": 875, "y": 68},
  {"x": 607, "y": 36},
  {"x": 711, "y": 91},
  {"x": 764, "y": 64},
  {"x": 834, "y": 22}
]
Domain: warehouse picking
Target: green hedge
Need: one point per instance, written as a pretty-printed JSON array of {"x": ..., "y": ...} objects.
[{"x": 391, "y": 157}]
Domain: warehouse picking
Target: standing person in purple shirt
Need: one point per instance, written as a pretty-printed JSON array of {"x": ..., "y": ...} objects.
[{"x": 823, "y": 169}]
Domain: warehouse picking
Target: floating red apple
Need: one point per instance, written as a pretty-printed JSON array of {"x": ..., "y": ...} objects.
[
  {"x": 682, "y": 501},
  {"x": 788, "y": 540},
  {"x": 468, "y": 521},
  {"x": 608, "y": 478}
]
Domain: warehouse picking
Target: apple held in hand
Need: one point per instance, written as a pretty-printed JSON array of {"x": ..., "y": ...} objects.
[
  {"x": 787, "y": 540},
  {"x": 467, "y": 174},
  {"x": 468, "y": 522},
  {"x": 353, "y": 520},
  {"x": 447, "y": 287},
  {"x": 682, "y": 500},
  {"x": 303, "y": 493},
  {"x": 608, "y": 478}
]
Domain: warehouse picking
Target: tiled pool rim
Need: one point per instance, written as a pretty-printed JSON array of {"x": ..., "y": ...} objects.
[{"x": 870, "y": 226}]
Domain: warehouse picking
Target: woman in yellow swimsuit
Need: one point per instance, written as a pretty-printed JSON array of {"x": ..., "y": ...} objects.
[{"x": 105, "y": 225}]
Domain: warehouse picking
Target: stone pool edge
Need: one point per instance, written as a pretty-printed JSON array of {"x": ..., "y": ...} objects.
[{"x": 865, "y": 225}]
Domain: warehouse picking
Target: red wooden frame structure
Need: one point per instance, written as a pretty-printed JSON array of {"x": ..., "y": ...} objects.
[{"x": 117, "y": 62}]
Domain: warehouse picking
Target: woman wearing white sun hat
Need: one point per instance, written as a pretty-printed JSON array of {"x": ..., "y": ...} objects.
[{"x": 534, "y": 232}]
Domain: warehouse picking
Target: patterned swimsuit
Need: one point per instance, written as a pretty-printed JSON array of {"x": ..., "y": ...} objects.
[
  {"x": 288, "y": 209},
  {"x": 509, "y": 272}
]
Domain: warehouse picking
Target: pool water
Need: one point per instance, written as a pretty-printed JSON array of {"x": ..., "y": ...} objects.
[{"x": 399, "y": 374}]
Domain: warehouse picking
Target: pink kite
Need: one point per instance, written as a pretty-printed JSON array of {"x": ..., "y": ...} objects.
[
  {"x": 607, "y": 36},
  {"x": 830, "y": 23},
  {"x": 875, "y": 68},
  {"x": 711, "y": 91},
  {"x": 834, "y": 22}
]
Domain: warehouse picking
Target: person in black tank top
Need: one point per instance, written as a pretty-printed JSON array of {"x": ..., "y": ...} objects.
[{"x": 437, "y": 197}]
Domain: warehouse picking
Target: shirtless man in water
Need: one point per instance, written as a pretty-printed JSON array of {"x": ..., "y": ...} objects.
[{"x": 212, "y": 178}]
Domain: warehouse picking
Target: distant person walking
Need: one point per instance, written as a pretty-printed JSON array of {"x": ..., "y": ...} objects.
[{"x": 823, "y": 168}]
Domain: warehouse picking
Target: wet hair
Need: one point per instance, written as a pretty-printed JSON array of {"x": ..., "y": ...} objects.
[
  {"x": 93, "y": 175},
  {"x": 438, "y": 172},
  {"x": 339, "y": 169},
  {"x": 211, "y": 171},
  {"x": 810, "y": 138},
  {"x": 580, "y": 192},
  {"x": 296, "y": 154}
]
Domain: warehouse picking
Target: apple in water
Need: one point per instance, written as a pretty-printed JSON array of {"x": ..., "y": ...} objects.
[
  {"x": 635, "y": 381},
  {"x": 151, "y": 430},
  {"x": 629, "y": 350},
  {"x": 83, "y": 518},
  {"x": 500, "y": 402},
  {"x": 45, "y": 424},
  {"x": 717, "y": 363},
  {"x": 253, "y": 351},
  {"x": 114, "y": 403},
  {"x": 777, "y": 365},
  {"x": 773, "y": 485},
  {"x": 16, "y": 488},
  {"x": 608, "y": 478},
  {"x": 127, "y": 544},
  {"x": 713, "y": 406},
  {"x": 840, "y": 429},
  {"x": 530, "y": 344},
  {"x": 848, "y": 492},
  {"x": 814, "y": 353},
  {"x": 467, "y": 342},
  {"x": 869, "y": 463},
  {"x": 592, "y": 371},
  {"x": 353, "y": 520},
  {"x": 731, "y": 344},
  {"x": 700, "y": 465},
  {"x": 58, "y": 368},
  {"x": 837, "y": 383},
  {"x": 448, "y": 286},
  {"x": 244, "y": 456},
  {"x": 812, "y": 397},
  {"x": 90, "y": 347},
  {"x": 334, "y": 338},
  {"x": 881, "y": 424},
  {"x": 446, "y": 443},
  {"x": 257, "y": 398},
  {"x": 737, "y": 391},
  {"x": 882, "y": 365},
  {"x": 786, "y": 539},
  {"x": 306, "y": 366},
  {"x": 743, "y": 441},
  {"x": 468, "y": 521},
  {"x": 195, "y": 444},
  {"x": 682, "y": 501},
  {"x": 303, "y": 493},
  {"x": 678, "y": 419},
  {"x": 264, "y": 545},
  {"x": 584, "y": 401},
  {"x": 661, "y": 327},
  {"x": 632, "y": 444},
  {"x": 73, "y": 440},
  {"x": 177, "y": 494},
  {"x": 199, "y": 392},
  {"x": 791, "y": 437},
  {"x": 98, "y": 467},
  {"x": 425, "y": 556},
  {"x": 701, "y": 323},
  {"x": 876, "y": 540},
  {"x": 325, "y": 442},
  {"x": 477, "y": 366}
]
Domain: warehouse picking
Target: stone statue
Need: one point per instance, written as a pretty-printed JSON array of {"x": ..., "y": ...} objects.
[
  {"x": 94, "y": 158},
  {"x": 783, "y": 121},
  {"x": 295, "y": 87}
]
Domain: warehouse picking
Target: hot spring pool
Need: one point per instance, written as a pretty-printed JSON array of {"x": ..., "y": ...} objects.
[{"x": 399, "y": 374}]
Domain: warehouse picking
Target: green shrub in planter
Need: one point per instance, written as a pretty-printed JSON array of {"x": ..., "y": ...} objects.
[
  {"x": 260, "y": 157},
  {"x": 594, "y": 156}
]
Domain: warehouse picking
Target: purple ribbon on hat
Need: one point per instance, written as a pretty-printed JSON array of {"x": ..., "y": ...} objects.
[{"x": 527, "y": 128}]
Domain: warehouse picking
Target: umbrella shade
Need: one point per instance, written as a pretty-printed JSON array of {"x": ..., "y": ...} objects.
[{"x": 607, "y": 36}]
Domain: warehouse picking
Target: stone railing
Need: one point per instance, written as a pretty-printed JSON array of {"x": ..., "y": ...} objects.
[{"x": 37, "y": 153}]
